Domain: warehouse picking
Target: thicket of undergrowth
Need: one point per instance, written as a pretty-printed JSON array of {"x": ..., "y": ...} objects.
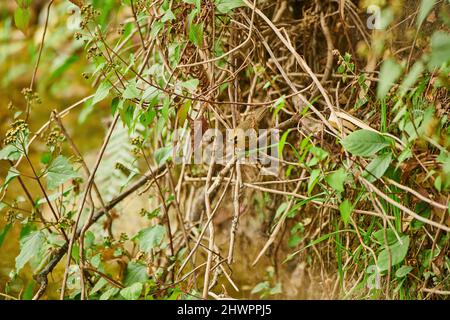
[{"x": 95, "y": 92}]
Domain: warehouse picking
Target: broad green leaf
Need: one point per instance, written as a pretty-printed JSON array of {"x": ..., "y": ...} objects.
[
  {"x": 281, "y": 209},
  {"x": 102, "y": 92},
  {"x": 109, "y": 293},
  {"x": 390, "y": 236},
  {"x": 131, "y": 91},
  {"x": 191, "y": 84},
  {"x": 9, "y": 152},
  {"x": 440, "y": 49},
  {"x": 389, "y": 73},
  {"x": 225, "y": 6},
  {"x": 196, "y": 34},
  {"x": 151, "y": 237},
  {"x": 58, "y": 172},
  {"x": 364, "y": 143},
  {"x": 403, "y": 271},
  {"x": 163, "y": 154},
  {"x": 337, "y": 179},
  {"x": 345, "y": 209},
  {"x": 147, "y": 117},
  {"x": 262, "y": 286},
  {"x": 30, "y": 246},
  {"x": 136, "y": 272},
  {"x": 156, "y": 28},
  {"x": 22, "y": 18},
  {"x": 397, "y": 251},
  {"x": 99, "y": 285},
  {"x": 132, "y": 292},
  {"x": 168, "y": 16},
  {"x": 425, "y": 8},
  {"x": 115, "y": 105},
  {"x": 12, "y": 173},
  {"x": 377, "y": 167}
]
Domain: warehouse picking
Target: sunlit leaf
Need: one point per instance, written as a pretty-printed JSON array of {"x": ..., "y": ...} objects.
[
  {"x": 225, "y": 6},
  {"x": 377, "y": 167},
  {"x": 364, "y": 143},
  {"x": 151, "y": 237},
  {"x": 30, "y": 245},
  {"x": 22, "y": 18},
  {"x": 397, "y": 252},
  {"x": 196, "y": 34},
  {"x": 102, "y": 92},
  {"x": 425, "y": 8},
  {"x": 132, "y": 292},
  {"x": 337, "y": 179},
  {"x": 389, "y": 73},
  {"x": 345, "y": 209},
  {"x": 59, "y": 171},
  {"x": 440, "y": 49}
]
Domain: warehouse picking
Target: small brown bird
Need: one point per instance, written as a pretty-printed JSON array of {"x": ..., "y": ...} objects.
[{"x": 252, "y": 121}]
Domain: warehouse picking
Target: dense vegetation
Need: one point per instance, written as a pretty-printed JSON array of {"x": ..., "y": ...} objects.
[{"x": 95, "y": 204}]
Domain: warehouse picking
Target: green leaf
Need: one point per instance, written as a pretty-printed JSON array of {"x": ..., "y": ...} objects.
[
  {"x": 337, "y": 179},
  {"x": 58, "y": 172},
  {"x": 163, "y": 154},
  {"x": 262, "y": 286},
  {"x": 403, "y": 271},
  {"x": 168, "y": 16},
  {"x": 99, "y": 285},
  {"x": 115, "y": 105},
  {"x": 132, "y": 292},
  {"x": 22, "y": 18},
  {"x": 364, "y": 143},
  {"x": 46, "y": 157},
  {"x": 196, "y": 34},
  {"x": 12, "y": 173},
  {"x": 425, "y": 8},
  {"x": 390, "y": 236},
  {"x": 283, "y": 206},
  {"x": 398, "y": 253},
  {"x": 412, "y": 77},
  {"x": 136, "y": 272},
  {"x": 440, "y": 49},
  {"x": 225, "y": 6},
  {"x": 28, "y": 292},
  {"x": 151, "y": 237},
  {"x": 102, "y": 92},
  {"x": 313, "y": 179},
  {"x": 147, "y": 117},
  {"x": 345, "y": 209},
  {"x": 377, "y": 167},
  {"x": 389, "y": 73},
  {"x": 282, "y": 143},
  {"x": 109, "y": 293},
  {"x": 131, "y": 91},
  {"x": 191, "y": 84},
  {"x": 30, "y": 246},
  {"x": 23, "y": 3},
  {"x": 9, "y": 152}
]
